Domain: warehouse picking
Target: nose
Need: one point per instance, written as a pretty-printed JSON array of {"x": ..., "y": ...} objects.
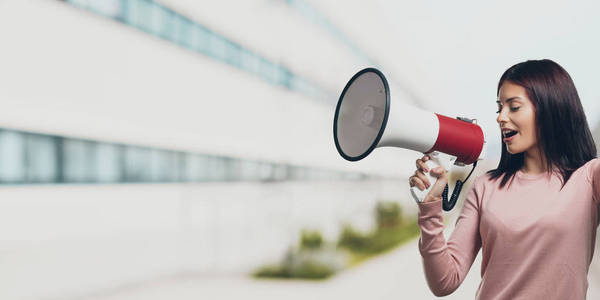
[{"x": 502, "y": 118}]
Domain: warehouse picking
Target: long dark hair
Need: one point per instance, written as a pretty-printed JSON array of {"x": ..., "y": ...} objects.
[{"x": 562, "y": 131}]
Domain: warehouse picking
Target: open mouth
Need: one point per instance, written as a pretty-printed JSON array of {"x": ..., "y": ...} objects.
[{"x": 510, "y": 133}]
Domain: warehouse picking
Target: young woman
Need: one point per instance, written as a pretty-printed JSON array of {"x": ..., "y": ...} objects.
[{"x": 535, "y": 216}]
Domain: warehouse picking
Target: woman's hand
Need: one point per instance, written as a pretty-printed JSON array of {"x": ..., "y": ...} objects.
[{"x": 420, "y": 180}]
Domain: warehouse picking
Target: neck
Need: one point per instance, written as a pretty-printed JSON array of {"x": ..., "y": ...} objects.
[{"x": 535, "y": 162}]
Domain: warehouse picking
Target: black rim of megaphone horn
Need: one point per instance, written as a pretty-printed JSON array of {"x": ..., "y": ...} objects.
[{"x": 385, "y": 117}]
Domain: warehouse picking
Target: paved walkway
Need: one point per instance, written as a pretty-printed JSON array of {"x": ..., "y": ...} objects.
[{"x": 395, "y": 275}]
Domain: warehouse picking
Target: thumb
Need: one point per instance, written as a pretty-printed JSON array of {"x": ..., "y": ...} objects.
[
  {"x": 440, "y": 183},
  {"x": 438, "y": 172}
]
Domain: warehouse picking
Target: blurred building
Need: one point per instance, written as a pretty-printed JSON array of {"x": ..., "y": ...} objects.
[{"x": 141, "y": 139}]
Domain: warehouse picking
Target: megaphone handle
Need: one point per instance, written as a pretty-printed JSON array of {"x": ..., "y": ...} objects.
[{"x": 436, "y": 159}]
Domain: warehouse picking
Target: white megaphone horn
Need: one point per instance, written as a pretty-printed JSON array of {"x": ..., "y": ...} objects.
[{"x": 363, "y": 121}]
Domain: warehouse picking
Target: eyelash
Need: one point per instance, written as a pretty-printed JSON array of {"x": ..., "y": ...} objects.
[{"x": 513, "y": 109}]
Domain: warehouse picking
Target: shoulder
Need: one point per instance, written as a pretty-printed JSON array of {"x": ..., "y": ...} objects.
[
  {"x": 482, "y": 182},
  {"x": 590, "y": 168}
]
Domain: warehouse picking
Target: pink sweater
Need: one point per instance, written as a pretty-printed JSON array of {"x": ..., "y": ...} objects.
[{"x": 537, "y": 241}]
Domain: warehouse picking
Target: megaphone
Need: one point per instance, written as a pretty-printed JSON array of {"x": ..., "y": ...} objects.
[{"x": 363, "y": 121}]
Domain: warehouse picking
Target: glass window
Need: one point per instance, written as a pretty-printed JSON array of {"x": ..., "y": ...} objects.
[
  {"x": 80, "y": 3},
  {"x": 249, "y": 170},
  {"x": 196, "y": 168},
  {"x": 265, "y": 171},
  {"x": 78, "y": 161},
  {"x": 139, "y": 14},
  {"x": 284, "y": 77},
  {"x": 161, "y": 21},
  {"x": 108, "y": 8},
  {"x": 299, "y": 173},
  {"x": 268, "y": 71},
  {"x": 217, "y": 47},
  {"x": 137, "y": 167},
  {"x": 12, "y": 156},
  {"x": 217, "y": 168},
  {"x": 181, "y": 31},
  {"x": 233, "y": 53},
  {"x": 41, "y": 157},
  {"x": 108, "y": 162},
  {"x": 281, "y": 172},
  {"x": 200, "y": 39},
  {"x": 163, "y": 166},
  {"x": 250, "y": 62},
  {"x": 36, "y": 158}
]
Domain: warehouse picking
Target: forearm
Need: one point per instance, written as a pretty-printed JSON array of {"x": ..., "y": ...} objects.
[{"x": 440, "y": 264}]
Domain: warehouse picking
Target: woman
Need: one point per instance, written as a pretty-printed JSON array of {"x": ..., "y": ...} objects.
[{"x": 535, "y": 216}]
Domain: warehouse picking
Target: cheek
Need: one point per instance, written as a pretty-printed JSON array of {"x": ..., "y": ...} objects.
[
  {"x": 529, "y": 130},
  {"x": 526, "y": 119}
]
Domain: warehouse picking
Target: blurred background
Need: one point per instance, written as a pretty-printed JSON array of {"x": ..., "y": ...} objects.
[{"x": 182, "y": 149}]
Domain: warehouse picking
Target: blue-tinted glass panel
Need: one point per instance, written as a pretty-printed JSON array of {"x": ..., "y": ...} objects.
[
  {"x": 250, "y": 62},
  {"x": 161, "y": 21},
  {"x": 233, "y": 55},
  {"x": 217, "y": 47},
  {"x": 137, "y": 168},
  {"x": 182, "y": 28},
  {"x": 158, "y": 20},
  {"x": 265, "y": 171},
  {"x": 108, "y": 8},
  {"x": 217, "y": 168},
  {"x": 41, "y": 159},
  {"x": 195, "y": 168},
  {"x": 200, "y": 39},
  {"x": 139, "y": 14},
  {"x": 108, "y": 162},
  {"x": 78, "y": 161},
  {"x": 12, "y": 156},
  {"x": 249, "y": 170},
  {"x": 163, "y": 166},
  {"x": 268, "y": 71}
]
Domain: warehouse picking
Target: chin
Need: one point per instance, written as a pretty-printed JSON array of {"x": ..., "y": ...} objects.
[{"x": 513, "y": 150}]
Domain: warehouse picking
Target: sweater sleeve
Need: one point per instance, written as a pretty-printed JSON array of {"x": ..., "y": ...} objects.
[{"x": 446, "y": 264}]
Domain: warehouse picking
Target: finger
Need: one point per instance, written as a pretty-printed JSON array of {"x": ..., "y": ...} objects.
[
  {"x": 423, "y": 178},
  {"x": 418, "y": 183},
  {"x": 422, "y": 166},
  {"x": 438, "y": 172}
]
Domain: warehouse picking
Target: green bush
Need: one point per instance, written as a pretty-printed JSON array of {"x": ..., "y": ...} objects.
[
  {"x": 391, "y": 231},
  {"x": 307, "y": 261},
  {"x": 314, "y": 259},
  {"x": 378, "y": 240},
  {"x": 276, "y": 270},
  {"x": 352, "y": 239},
  {"x": 312, "y": 270},
  {"x": 388, "y": 214},
  {"x": 311, "y": 239},
  {"x": 304, "y": 270}
]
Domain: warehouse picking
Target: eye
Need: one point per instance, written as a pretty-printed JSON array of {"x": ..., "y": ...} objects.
[{"x": 515, "y": 108}]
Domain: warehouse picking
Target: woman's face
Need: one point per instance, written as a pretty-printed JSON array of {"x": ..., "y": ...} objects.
[{"x": 516, "y": 113}]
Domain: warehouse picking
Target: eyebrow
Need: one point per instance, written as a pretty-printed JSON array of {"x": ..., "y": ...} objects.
[{"x": 508, "y": 100}]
